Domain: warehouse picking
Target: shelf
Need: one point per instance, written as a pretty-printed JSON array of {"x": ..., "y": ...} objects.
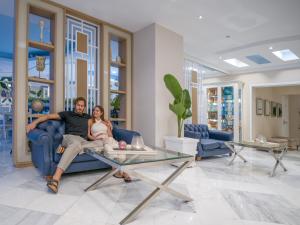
[
  {"x": 117, "y": 64},
  {"x": 40, "y": 80},
  {"x": 117, "y": 119},
  {"x": 117, "y": 92},
  {"x": 36, "y": 115},
  {"x": 41, "y": 45}
]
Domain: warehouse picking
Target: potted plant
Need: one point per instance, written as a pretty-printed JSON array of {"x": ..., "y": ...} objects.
[
  {"x": 181, "y": 106},
  {"x": 115, "y": 104}
]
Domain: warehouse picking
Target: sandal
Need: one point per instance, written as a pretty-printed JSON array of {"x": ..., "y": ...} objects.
[
  {"x": 53, "y": 185},
  {"x": 118, "y": 175},
  {"x": 60, "y": 149},
  {"x": 127, "y": 178}
]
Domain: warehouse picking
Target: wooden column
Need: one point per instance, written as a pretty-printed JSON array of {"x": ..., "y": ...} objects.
[
  {"x": 81, "y": 78},
  {"x": 194, "y": 99}
]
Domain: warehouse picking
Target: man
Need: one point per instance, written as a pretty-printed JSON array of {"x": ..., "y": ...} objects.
[{"x": 75, "y": 138}]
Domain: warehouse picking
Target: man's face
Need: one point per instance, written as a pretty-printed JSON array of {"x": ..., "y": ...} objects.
[{"x": 79, "y": 107}]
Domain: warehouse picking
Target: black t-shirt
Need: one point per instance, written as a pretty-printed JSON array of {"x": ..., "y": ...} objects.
[{"x": 75, "y": 124}]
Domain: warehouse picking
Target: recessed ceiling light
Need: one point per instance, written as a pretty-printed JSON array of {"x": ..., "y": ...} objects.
[
  {"x": 236, "y": 63},
  {"x": 286, "y": 55},
  {"x": 271, "y": 48},
  {"x": 228, "y": 36},
  {"x": 200, "y": 17}
]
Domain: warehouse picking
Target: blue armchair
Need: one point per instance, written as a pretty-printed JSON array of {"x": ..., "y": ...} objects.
[
  {"x": 45, "y": 139},
  {"x": 211, "y": 142}
]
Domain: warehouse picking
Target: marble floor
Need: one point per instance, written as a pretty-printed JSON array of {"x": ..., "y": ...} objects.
[{"x": 240, "y": 194}]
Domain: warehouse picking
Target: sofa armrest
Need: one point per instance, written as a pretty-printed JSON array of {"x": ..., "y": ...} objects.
[
  {"x": 41, "y": 150},
  {"x": 36, "y": 135},
  {"x": 220, "y": 135},
  {"x": 125, "y": 135}
]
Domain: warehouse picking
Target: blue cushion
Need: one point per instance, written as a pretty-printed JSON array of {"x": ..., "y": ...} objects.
[
  {"x": 221, "y": 143},
  {"x": 209, "y": 144}
]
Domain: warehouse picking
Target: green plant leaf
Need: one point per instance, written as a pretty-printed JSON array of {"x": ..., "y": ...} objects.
[
  {"x": 186, "y": 99},
  {"x": 173, "y": 86},
  {"x": 39, "y": 93},
  {"x": 178, "y": 109},
  {"x": 187, "y": 114}
]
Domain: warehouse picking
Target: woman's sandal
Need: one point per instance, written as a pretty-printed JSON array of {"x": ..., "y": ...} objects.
[
  {"x": 127, "y": 178},
  {"x": 53, "y": 185},
  {"x": 118, "y": 175}
]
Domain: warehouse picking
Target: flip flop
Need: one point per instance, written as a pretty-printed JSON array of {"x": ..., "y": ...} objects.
[{"x": 53, "y": 185}]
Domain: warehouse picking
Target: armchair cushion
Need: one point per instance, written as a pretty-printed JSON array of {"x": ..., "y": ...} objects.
[{"x": 209, "y": 144}]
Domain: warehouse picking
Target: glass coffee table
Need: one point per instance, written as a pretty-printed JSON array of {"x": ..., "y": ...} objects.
[
  {"x": 277, "y": 151},
  {"x": 128, "y": 162}
]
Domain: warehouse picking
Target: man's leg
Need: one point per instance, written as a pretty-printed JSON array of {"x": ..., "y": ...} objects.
[{"x": 72, "y": 145}]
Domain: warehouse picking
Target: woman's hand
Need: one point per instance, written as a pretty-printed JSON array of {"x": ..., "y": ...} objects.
[{"x": 108, "y": 124}]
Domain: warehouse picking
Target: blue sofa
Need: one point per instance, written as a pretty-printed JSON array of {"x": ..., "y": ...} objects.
[
  {"x": 45, "y": 139},
  {"x": 211, "y": 142}
]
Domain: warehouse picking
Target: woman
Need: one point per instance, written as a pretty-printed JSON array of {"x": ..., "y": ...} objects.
[{"x": 101, "y": 129}]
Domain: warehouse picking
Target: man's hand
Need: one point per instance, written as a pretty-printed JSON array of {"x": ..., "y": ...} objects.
[{"x": 30, "y": 127}]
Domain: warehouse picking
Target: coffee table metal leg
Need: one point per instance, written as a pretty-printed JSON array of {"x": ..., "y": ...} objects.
[
  {"x": 131, "y": 216},
  {"x": 278, "y": 161},
  {"x": 235, "y": 153},
  {"x": 158, "y": 185},
  {"x": 102, "y": 179}
]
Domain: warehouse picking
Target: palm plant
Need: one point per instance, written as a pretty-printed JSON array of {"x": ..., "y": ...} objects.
[{"x": 181, "y": 105}]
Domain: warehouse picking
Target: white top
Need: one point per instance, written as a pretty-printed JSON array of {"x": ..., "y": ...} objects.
[{"x": 99, "y": 130}]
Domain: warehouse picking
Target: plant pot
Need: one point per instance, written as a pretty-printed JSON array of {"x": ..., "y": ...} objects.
[{"x": 183, "y": 144}]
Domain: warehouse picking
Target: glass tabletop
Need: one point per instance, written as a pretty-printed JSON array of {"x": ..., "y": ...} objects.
[
  {"x": 124, "y": 157},
  {"x": 266, "y": 145}
]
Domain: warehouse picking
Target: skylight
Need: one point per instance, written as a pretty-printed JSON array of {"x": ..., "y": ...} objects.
[
  {"x": 258, "y": 59},
  {"x": 236, "y": 63},
  {"x": 285, "y": 55}
]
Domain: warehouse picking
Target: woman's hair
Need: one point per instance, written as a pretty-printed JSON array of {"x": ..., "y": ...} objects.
[{"x": 101, "y": 110}]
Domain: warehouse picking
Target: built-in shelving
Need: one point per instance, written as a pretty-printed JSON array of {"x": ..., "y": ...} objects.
[
  {"x": 41, "y": 45},
  {"x": 40, "y": 80}
]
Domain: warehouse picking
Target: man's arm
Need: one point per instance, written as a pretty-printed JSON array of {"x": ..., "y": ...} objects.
[{"x": 41, "y": 119}]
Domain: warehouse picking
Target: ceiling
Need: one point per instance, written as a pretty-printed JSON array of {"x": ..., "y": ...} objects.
[{"x": 228, "y": 29}]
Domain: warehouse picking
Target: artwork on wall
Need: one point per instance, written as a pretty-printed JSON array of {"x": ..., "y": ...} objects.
[
  {"x": 267, "y": 108},
  {"x": 279, "y": 110},
  {"x": 274, "y": 109},
  {"x": 259, "y": 106}
]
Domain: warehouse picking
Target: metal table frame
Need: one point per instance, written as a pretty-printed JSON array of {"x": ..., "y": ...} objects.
[
  {"x": 272, "y": 151},
  {"x": 130, "y": 170}
]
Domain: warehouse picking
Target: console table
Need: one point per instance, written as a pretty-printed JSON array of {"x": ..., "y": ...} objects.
[{"x": 277, "y": 151}]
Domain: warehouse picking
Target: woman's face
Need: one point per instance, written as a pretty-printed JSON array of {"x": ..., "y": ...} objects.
[{"x": 97, "y": 113}]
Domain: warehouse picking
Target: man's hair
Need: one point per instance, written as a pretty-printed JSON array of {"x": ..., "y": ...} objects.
[{"x": 80, "y": 99}]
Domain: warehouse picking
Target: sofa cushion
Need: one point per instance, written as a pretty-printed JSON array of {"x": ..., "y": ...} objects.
[
  {"x": 221, "y": 143},
  {"x": 209, "y": 144},
  {"x": 79, "y": 158}
]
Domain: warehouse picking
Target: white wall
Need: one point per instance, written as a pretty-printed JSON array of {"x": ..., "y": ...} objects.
[
  {"x": 283, "y": 77},
  {"x": 156, "y": 51},
  {"x": 294, "y": 101},
  {"x": 143, "y": 84},
  {"x": 169, "y": 58}
]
